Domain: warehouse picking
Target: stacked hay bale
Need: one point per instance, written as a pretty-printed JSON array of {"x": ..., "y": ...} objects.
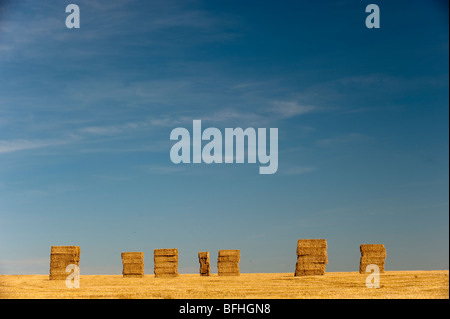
[
  {"x": 205, "y": 267},
  {"x": 372, "y": 254},
  {"x": 133, "y": 264},
  {"x": 166, "y": 262},
  {"x": 228, "y": 262},
  {"x": 60, "y": 258},
  {"x": 311, "y": 257}
]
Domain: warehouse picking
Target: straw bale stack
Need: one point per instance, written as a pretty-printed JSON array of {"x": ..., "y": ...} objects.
[
  {"x": 372, "y": 254},
  {"x": 311, "y": 257},
  {"x": 60, "y": 258},
  {"x": 228, "y": 262},
  {"x": 205, "y": 266},
  {"x": 133, "y": 264},
  {"x": 166, "y": 262}
]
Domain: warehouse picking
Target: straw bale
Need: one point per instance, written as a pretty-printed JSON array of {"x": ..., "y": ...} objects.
[
  {"x": 362, "y": 267},
  {"x": 203, "y": 254},
  {"x": 165, "y": 271},
  {"x": 229, "y": 252},
  {"x": 69, "y": 259},
  {"x": 228, "y": 258},
  {"x": 132, "y": 255},
  {"x": 228, "y": 269},
  {"x": 133, "y": 275},
  {"x": 227, "y": 263},
  {"x": 166, "y": 264},
  {"x": 130, "y": 260},
  {"x": 205, "y": 267},
  {"x": 309, "y": 273},
  {"x": 133, "y": 268},
  {"x": 372, "y": 248},
  {"x": 157, "y": 259},
  {"x": 320, "y": 267},
  {"x": 62, "y": 264},
  {"x": 312, "y": 243},
  {"x": 59, "y": 272},
  {"x": 172, "y": 268},
  {"x": 372, "y": 260},
  {"x": 60, "y": 258},
  {"x": 311, "y": 251},
  {"x": 381, "y": 254},
  {"x": 64, "y": 257},
  {"x": 166, "y": 252},
  {"x": 313, "y": 259},
  {"x": 65, "y": 249},
  {"x": 205, "y": 271}
]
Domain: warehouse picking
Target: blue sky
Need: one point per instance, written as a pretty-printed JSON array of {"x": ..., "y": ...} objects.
[{"x": 86, "y": 115}]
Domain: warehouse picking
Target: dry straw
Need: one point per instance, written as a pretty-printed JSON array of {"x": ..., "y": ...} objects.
[
  {"x": 165, "y": 262},
  {"x": 133, "y": 264},
  {"x": 169, "y": 252},
  {"x": 311, "y": 257},
  {"x": 233, "y": 252},
  {"x": 372, "y": 254},
  {"x": 205, "y": 266},
  {"x": 60, "y": 258},
  {"x": 228, "y": 262}
]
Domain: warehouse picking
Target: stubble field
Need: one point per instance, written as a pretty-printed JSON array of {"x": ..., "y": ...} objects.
[{"x": 341, "y": 285}]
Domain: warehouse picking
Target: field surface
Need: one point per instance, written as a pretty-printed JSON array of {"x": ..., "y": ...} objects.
[{"x": 342, "y": 285}]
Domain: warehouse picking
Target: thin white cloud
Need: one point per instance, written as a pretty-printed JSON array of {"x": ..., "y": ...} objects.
[
  {"x": 297, "y": 170},
  {"x": 288, "y": 109},
  {"x": 342, "y": 139},
  {"x": 101, "y": 130},
  {"x": 153, "y": 122},
  {"x": 162, "y": 169},
  {"x": 247, "y": 85},
  {"x": 24, "y": 144},
  {"x": 234, "y": 115}
]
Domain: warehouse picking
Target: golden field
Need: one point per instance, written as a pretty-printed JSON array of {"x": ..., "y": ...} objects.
[{"x": 341, "y": 285}]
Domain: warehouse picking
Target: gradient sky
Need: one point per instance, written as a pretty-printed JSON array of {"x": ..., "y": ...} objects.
[{"x": 86, "y": 115}]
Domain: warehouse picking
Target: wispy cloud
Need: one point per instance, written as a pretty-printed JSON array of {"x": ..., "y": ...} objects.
[
  {"x": 342, "y": 139},
  {"x": 24, "y": 144},
  {"x": 162, "y": 169},
  {"x": 234, "y": 116},
  {"x": 154, "y": 122},
  {"x": 101, "y": 130},
  {"x": 297, "y": 170},
  {"x": 247, "y": 85},
  {"x": 111, "y": 22},
  {"x": 288, "y": 109}
]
